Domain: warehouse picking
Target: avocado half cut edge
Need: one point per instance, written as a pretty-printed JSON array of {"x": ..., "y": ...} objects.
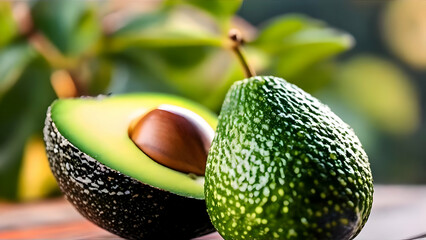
[{"x": 110, "y": 180}]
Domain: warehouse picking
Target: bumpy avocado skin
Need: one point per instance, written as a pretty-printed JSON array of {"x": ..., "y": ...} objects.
[
  {"x": 118, "y": 203},
  {"x": 283, "y": 166}
]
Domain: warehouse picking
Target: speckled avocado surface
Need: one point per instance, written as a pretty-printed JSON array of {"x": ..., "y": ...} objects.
[
  {"x": 121, "y": 201},
  {"x": 283, "y": 166}
]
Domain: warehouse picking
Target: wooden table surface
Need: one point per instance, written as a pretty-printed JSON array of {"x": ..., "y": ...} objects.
[{"x": 399, "y": 212}]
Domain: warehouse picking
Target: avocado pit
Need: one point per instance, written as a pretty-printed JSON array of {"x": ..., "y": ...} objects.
[{"x": 174, "y": 137}]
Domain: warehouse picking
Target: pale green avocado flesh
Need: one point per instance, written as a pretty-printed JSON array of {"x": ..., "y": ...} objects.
[{"x": 99, "y": 127}]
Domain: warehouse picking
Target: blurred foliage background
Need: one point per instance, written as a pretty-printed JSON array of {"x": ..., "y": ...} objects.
[{"x": 365, "y": 59}]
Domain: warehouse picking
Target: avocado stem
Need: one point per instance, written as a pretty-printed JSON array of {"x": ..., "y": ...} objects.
[{"x": 237, "y": 42}]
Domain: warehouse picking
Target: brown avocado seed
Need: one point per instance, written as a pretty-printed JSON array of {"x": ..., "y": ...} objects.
[{"x": 174, "y": 137}]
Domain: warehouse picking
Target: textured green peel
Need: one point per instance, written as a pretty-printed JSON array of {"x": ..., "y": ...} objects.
[{"x": 283, "y": 166}]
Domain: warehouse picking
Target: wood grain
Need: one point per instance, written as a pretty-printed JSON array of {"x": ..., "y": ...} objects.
[
  {"x": 399, "y": 212},
  {"x": 53, "y": 219}
]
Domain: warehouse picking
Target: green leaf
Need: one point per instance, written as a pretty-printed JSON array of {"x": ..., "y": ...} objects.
[
  {"x": 136, "y": 74},
  {"x": 382, "y": 91},
  {"x": 72, "y": 26},
  {"x": 101, "y": 71},
  {"x": 201, "y": 73},
  {"x": 316, "y": 77},
  {"x": 205, "y": 79},
  {"x": 173, "y": 50},
  {"x": 164, "y": 28},
  {"x": 294, "y": 43},
  {"x": 308, "y": 47},
  {"x": 22, "y": 111},
  {"x": 221, "y": 10},
  {"x": 143, "y": 22},
  {"x": 13, "y": 61},
  {"x": 278, "y": 28},
  {"x": 8, "y": 28},
  {"x": 217, "y": 8}
]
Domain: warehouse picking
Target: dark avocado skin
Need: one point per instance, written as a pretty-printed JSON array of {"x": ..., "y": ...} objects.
[{"x": 118, "y": 203}]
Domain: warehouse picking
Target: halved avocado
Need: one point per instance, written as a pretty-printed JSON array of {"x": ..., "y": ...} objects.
[{"x": 110, "y": 180}]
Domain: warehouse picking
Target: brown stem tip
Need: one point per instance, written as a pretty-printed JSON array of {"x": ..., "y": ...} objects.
[
  {"x": 237, "y": 42},
  {"x": 235, "y": 36}
]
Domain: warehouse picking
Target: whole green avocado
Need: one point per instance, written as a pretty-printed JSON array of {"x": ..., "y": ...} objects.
[{"x": 283, "y": 166}]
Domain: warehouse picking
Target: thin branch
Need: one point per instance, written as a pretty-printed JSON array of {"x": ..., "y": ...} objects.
[{"x": 237, "y": 42}]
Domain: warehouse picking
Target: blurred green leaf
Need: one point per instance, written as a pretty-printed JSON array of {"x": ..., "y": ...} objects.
[
  {"x": 101, "y": 71},
  {"x": 308, "y": 47},
  {"x": 134, "y": 73},
  {"x": 218, "y": 8},
  {"x": 276, "y": 29},
  {"x": 72, "y": 26},
  {"x": 204, "y": 80},
  {"x": 143, "y": 22},
  {"x": 8, "y": 28},
  {"x": 316, "y": 77},
  {"x": 382, "y": 91},
  {"x": 13, "y": 61},
  {"x": 164, "y": 28},
  {"x": 203, "y": 74},
  {"x": 173, "y": 51},
  {"x": 22, "y": 111},
  {"x": 221, "y": 10},
  {"x": 294, "y": 43}
]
